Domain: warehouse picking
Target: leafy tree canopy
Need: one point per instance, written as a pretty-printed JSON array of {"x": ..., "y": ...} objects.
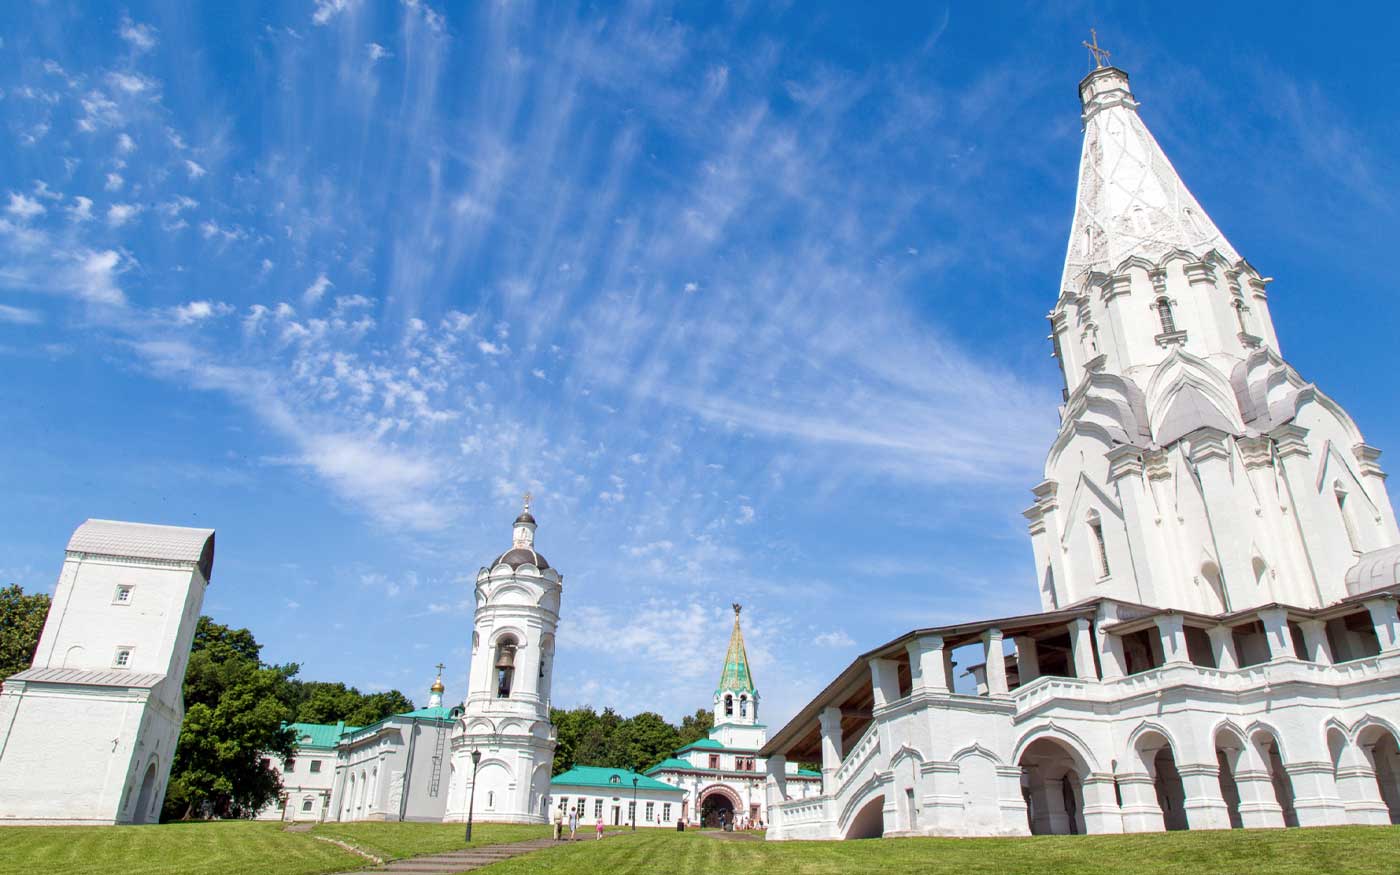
[
  {"x": 21, "y": 621},
  {"x": 586, "y": 737}
]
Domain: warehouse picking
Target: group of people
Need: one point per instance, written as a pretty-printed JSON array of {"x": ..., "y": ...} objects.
[{"x": 572, "y": 817}]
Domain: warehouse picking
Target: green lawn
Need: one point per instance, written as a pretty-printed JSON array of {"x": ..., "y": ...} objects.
[
  {"x": 394, "y": 840},
  {"x": 1335, "y": 851},
  {"x": 264, "y": 849},
  {"x": 232, "y": 848}
]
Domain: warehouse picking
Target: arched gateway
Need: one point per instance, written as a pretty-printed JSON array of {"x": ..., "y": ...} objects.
[{"x": 718, "y": 801}]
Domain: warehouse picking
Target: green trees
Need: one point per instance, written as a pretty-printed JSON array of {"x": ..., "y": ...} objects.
[
  {"x": 588, "y": 738},
  {"x": 327, "y": 702},
  {"x": 21, "y": 621}
]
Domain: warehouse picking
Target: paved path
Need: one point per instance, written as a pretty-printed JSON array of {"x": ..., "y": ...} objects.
[{"x": 468, "y": 859}]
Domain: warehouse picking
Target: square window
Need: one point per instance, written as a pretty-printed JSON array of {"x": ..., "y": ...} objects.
[
  {"x": 123, "y": 595},
  {"x": 666, "y": 812},
  {"x": 123, "y": 658},
  {"x": 306, "y": 804},
  {"x": 315, "y": 765},
  {"x": 289, "y": 766},
  {"x": 597, "y": 808}
]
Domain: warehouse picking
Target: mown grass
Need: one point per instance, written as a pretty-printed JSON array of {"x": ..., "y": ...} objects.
[
  {"x": 231, "y": 848},
  {"x": 394, "y": 840},
  {"x": 1334, "y": 850}
]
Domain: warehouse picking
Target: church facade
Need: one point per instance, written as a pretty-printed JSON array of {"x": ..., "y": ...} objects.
[
  {"x": 1217, "y": 560},
  {"x": 722, "y": 774}
]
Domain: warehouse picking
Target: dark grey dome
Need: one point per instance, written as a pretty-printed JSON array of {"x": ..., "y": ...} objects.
[
  {"x": 521, "y": 556},
  {"x": 525, "y": 517}
]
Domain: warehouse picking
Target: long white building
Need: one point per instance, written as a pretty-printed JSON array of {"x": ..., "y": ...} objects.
[{"x": 1217, "y": 559}]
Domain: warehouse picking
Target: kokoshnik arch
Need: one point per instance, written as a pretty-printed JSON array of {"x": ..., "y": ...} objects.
[{"x": 1217, "y": 559}]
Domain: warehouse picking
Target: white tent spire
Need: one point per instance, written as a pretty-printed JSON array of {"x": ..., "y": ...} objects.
[{"x": 1130, "y": 202}]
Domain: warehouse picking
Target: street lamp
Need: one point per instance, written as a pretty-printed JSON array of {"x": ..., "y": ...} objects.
[
  {"x": 634, "y": 803},
  {"x": 471, "y": 804}
]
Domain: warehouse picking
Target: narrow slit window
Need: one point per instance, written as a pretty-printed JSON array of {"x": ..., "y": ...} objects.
[
  {"x": 1164, "y": 313},
  {"x": 1100, "y": 547}
]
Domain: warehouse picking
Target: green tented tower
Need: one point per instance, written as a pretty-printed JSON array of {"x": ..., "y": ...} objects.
[{"x": 736, "y": 697}]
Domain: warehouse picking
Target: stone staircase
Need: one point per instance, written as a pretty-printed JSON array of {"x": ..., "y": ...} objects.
[{"x": 466, "y": 859}]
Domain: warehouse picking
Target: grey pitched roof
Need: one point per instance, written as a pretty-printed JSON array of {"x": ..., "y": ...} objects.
[
  {"x": 89, "y": 677},
  {"x": 145, "y": 541}
]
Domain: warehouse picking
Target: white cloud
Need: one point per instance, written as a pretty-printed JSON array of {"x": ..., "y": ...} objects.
[
  {"x": 177, "y": 205},
  {"x": 114, "y": 182},
  {"x": 19, "y": 315},
  {"x": 376, "y": 52},
  {"x": 81, "y": 211},
  {"x": 328, "y": 9},
  {"x": 490, "y": 348},
  {"x": 125, "y": 144},
  {"x": 120, "y": 214},
  {"x": 141, "y": 37},
  {"x": 98, "y": 111},
  {"x": 95, "y": 277},
  {"x": 131, "y": 83},
  {"x": 198, "y": 311},
  {"x": 23, "y": 207},
  {"x": 316, "y": 290},
  {"x": 835, "y": 638},
  {"x": 692, "y": 287},
  {"x": 194, "y": 169},
  {"x": 746, "y": 515},
  {"x": 538, "y": 373}
]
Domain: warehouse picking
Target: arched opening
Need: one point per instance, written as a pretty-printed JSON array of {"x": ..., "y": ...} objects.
[
  {"x": 1097, "y": 542},
  {"x": 1052, "y": 778},
  {"x": 728, "y": 705},
  {"x": 505, "y": 665},
  {"x": 1267, "y": 746},
  {"x": 743, "y": 705},
  {"x": 1158, "y": 760},
  {"x": 145, "y": 800},
  {"x": 1240, "y": 309},
  {"x": 1381, "y": 749},
  {"x": 1229, "y": 748},
  {"x": 716, "y": 809},
  {"x": 869, "y": 822},
  {"x": 349, "y": 796}
]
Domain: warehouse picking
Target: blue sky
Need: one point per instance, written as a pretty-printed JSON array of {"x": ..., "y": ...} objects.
[{"x": 752, "y": 299}]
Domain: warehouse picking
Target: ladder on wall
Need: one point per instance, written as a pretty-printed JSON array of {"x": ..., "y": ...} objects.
[{"x": 437, "y": 760}]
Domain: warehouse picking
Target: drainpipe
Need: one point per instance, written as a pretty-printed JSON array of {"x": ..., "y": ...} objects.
[{"x": 408, "y": 768}]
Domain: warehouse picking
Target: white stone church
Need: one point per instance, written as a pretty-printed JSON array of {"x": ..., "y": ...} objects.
[{"x": 1218, "y": 565}]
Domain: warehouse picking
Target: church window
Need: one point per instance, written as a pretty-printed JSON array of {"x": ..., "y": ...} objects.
[
  {"x": 306, "y": 804},
  {"x": 315, "y": 766},
  {"x": 1164, "y": 313},
  {"x": 1100, "y": 547},
  {"x": 1355, "y": 543},
  {"x": 743, "y": 706},
  {"x": 123, "y": 596},
  {"x": 491, "y": 799},
  {"x": 505, "y": 666},
  {"x": 728, "y": 705},
  {"x": 714, "y": 761},
  {"x": 650, "y": 811},
  {"x": 289, "y": 766},
  {"x": 615, "y": 780},
  {"x": 1240, "y": 309},
  {"x": 597, "y": 808},
  {"x": 665, "y": 812},
  {"x": 631, "y": 812},
  {"x": 123, "y": 658}
]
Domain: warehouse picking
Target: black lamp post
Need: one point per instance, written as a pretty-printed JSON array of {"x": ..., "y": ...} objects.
[
  {"x": 634, "y": 803},
  {"x": 471, "y": 804}
]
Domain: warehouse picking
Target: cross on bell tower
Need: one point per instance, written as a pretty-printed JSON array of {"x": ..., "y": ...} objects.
[{"x": 1099, "y": 55}]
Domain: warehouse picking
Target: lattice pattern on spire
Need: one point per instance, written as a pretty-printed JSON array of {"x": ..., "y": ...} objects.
[
  {"x": 1131, "y": 200},
  {"x": 736, "y": 677}
]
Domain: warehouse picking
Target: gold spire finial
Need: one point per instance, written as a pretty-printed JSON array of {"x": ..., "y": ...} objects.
[
  {"x": 437, "y": 686},
  {"x": 527, "y": 502},
  {"x": 1099, "y": 55}
]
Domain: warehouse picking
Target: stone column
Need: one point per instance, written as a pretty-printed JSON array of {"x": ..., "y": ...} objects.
[
  {"x": 1291, "y": 446},
  {"x": 1205, "y": 806},
  {"x": 1357, "y": 787},
  {"x": 1384, "y": 616},
  {"x": 1101, "y": 811},
  {"x": 1146, "y": 546},
  {"x": 1172, "y": 632},
  {"x": 1222, "y": 645},
  {"x": 884, "y": 680},
  {"x": 927, "y": 664},
  {"x": 1315, "y": 797},
  {"x": 1258, "y": 803},
  {"x": 1081, "y": 645},
  {"x": 1052, "y": 797},
  {"x": 1373, "y": 481},
  {"x": 1141, "y": 813},
  {"x": 1211, "y": 454},
  {"x": 830, "y": 719},
  {"x": 1027, "y": 659},
  {"x": 1277, "y": 633},
  {"x": 1315, "y": 642},
  {"x": 775, "y": 791},
  {"x": 1111, "y": 656},
  {"x": 996, "y": 662}
]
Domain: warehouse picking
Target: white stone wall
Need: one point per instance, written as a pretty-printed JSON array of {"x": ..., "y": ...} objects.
[
  {"x": 302, "y": 785},
  {"x": 614, "y": 806}
]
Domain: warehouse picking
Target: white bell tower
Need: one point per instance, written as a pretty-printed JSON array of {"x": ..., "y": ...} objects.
[{"x": 505, "y": 719}]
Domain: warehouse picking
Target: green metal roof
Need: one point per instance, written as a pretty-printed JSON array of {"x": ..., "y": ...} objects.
[
  {"x": 439, "y": 712},
  {"x": 809, "y": 773},
  {"x": 325, "y": 735},
  {"x": 708, "y": 743},
  {"x": 600, "y": 776},
  {"x": 736, "y": 677},
  {"x": 672, "y": 763}
]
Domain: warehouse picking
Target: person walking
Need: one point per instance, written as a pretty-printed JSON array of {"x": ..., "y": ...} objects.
[
  {"x": 573, "y": 823},
  {"x": 559, "y": 823},
  {"x": 599, "y": 827}
]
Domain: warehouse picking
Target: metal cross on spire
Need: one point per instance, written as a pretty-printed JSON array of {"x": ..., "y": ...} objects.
[
  {"x": 440, "y": 667},
  {"x": 527, "y": 501},
  {"x": 1099, "y": 55}
]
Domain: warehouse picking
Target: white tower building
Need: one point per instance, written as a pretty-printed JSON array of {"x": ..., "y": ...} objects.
[
  {"x": 506, "y": 713},
  {"x": 736, "y": 697},
  {"x": 87, "y": 733}
]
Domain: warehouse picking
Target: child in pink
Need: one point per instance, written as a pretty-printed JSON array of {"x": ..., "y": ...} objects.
[{"x": 599, "y": 827}]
